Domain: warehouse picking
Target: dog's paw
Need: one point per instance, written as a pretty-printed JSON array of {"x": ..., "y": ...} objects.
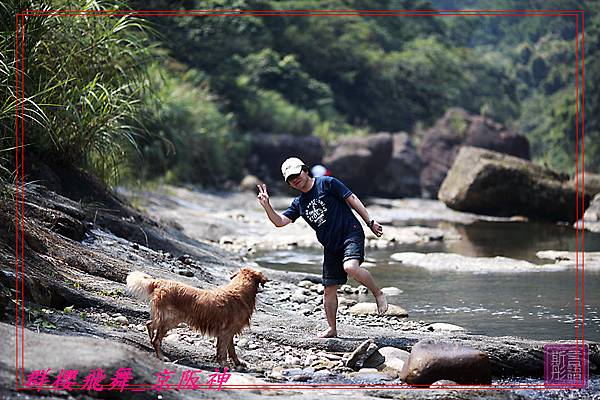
[
  {"x": 241, "y": 365},
  {"x": 164, "y": 358}
]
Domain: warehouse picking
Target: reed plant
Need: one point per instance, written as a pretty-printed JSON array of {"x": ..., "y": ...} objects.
[{"x": 84, "y": 77}]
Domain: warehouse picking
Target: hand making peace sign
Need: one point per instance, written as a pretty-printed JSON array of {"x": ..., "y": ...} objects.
[{"x": 263, "y": 196}]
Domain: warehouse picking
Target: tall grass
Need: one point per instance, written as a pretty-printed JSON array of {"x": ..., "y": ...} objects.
[{"x": 84, "y": 78}]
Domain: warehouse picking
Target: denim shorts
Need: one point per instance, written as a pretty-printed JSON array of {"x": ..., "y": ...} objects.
[{"x": 333, "y": 261}]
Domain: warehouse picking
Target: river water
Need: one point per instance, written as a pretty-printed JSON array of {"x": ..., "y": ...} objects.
[{"x": 535, "y": 305}]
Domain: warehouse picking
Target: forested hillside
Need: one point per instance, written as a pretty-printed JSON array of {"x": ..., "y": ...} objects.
[{"x": 179, "y": 97}]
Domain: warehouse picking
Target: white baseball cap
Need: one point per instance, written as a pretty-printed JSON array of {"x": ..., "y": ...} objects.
[{"x": 291, "y": 166}]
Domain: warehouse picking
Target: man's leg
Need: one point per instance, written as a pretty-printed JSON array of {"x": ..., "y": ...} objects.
[
  {"x": 330, "y": 304},
  {"x": 362, "y": 276}
]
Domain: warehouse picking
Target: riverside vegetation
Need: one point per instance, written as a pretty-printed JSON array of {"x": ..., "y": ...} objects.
[{"x": 181, "y": 97}]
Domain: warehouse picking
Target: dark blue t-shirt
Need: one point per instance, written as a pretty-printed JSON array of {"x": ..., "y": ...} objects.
[{"x": 325, "y": 209}]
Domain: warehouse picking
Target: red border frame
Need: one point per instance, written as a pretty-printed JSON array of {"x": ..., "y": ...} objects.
[{"x": 20, "y": 162}]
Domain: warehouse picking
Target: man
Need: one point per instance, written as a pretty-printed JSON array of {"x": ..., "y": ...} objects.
[{"x": 326, "y": 205}]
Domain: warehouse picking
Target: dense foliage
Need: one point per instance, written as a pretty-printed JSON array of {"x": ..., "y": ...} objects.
[{"x": 179, "y": 96}]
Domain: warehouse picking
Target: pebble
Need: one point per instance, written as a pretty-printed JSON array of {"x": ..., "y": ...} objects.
[
  {"x": 322, "y": 375},
  {"x": 391, "y": 291},
  {"x": 345, "y": 302},
  {"x": 306, "y": 284},
  {"x": 285, "y": 297},
  {"x": 329, "y": 356},
  {"x": 369, "y": 374},
  {"x": 346, "y": 289},
  {"x": 443, "y": 382},
  {"x": 122, "y": 320},
  {"x": 291, "y": 360},
  {"x": 185, "y": 259},
  {"x": 299, "y": 298},
  {"x": 183, "y": 272},
  {"x": 311, "y": 358},
  {"x": 444, "y": 327},
  {"x": 173, "y": 337}
]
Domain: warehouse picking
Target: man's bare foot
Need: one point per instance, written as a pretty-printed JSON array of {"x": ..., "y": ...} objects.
[
  {"x": 327, "y": 333},
  {"x": 382, "y": 304}
]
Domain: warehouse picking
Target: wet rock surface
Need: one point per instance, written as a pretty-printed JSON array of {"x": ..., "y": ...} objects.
[{"x": 75, "y": 299}]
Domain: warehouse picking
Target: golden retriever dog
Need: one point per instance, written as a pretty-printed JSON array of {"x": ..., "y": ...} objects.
[{"x": 221, "y": 312}]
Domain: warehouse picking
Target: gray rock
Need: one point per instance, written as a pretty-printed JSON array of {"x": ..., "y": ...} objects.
[
  {"x": 370, "y": 375},
  {"x": 444, "y": 327},
  {"x": 362, "y": 352},
  {"x": 329, "y": 356},
  {"x": 571, "y": 259},
  {"x": 391, "y": 291},
  {"x": 371, "y": 309},
  {"x": 431, "y": 360},
  {"x": 457, "y": 128},
  {"x": 284, "y": 297},
  {"x": 249, "y": 183},
  {"x": 460, "y": 263},
  {"x": 291, "y": 360},
  {"x": 393, "y": 359},
  {"x": 323, "y": 375},
  {"x": 306, "y": 311},
  {"x": 590, "y": 181},
  {"x": 401, "y": 176},
  {"x": 356, "y": 160},
  {"x": 184, "y": 272},
  {"x": 591, "y": 218},
  {"x": 306, "y": 284},
  {"x": 443, "y": 382},
  {"x": 121, "y": 320},
  {"x": 374, "y": 360},
  {"x": 487, "y": 182},
  {"x": 346, "y": 289},
  {"x": 299, "y": 298}
]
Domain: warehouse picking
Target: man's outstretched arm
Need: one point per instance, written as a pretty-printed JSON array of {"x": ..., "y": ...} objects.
[
  {"x": 360, "y": 208},
  {"x": 263, "y": 198}
]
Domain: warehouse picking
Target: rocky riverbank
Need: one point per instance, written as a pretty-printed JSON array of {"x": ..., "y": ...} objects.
[{"x": 77, "y": 314}]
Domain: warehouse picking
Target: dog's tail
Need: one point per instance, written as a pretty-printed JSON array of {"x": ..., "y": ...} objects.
[{"x": 141, "y": 285}]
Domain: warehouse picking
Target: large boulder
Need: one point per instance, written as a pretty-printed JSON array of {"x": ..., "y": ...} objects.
[
  {"x": 268, "y": 151},
  {"x": 455, "y": 129},
  {"x": 591, "y": 217},
  {"x": 487, "y": 182},
  {"x": 591, "y": 182},
  {"x": 401, "y": 177},
  {"x": 357, "y": 160},
  {"x": 432, "y": 360}
]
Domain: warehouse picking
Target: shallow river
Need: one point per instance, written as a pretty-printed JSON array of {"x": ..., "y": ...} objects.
[{"x": 537, "y": 305}]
